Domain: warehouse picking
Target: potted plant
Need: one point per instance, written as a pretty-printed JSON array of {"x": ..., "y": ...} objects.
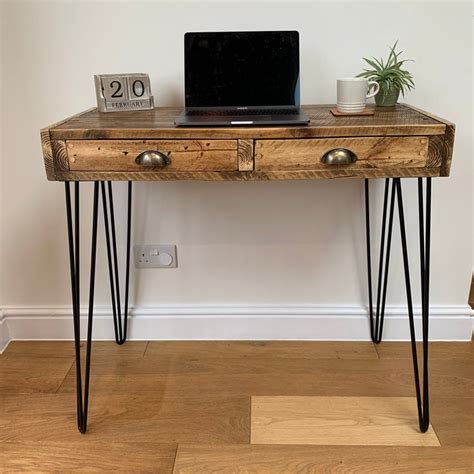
[{"x": 391, "y": 77}]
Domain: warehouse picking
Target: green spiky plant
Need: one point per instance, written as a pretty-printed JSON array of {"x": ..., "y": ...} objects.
[{"x": 390, "y": 75}]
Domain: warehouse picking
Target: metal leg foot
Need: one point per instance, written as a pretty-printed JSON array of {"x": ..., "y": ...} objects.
[
  {"x": 74, "y": 262},
  {"x": 120, "y": 327},
  {"x": 422, "y": 398}
]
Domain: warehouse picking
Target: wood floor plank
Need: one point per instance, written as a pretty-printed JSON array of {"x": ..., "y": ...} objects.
[
  {"x": 437, "y": 350},
  {"x": 29, "y": 375},
  {"x": 125, "y": 418},
  {"x": 40, "y": 349},
  {"x": 363, "y": 421},
  {"x": 261, "y": 350},
  {"x": 66, "y": 348},
  {"x": 41, "y": 366},
  {"x": 87, "y": 455},
  {"x": 453, "y": 420},
  {"x": 263, "y": 459},
  {"x": 242, "y": 377}
]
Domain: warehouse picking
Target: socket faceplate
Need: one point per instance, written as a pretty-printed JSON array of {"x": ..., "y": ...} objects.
[{"x": 155, "y": 256}]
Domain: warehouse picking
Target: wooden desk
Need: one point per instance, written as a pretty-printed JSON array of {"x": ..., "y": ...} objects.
[
  {"x": 398, "y": 142},
  {"x": 394, "y": 143}
]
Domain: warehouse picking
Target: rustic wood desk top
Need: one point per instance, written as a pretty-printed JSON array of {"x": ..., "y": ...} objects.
[{"x": 394, "y": 142}]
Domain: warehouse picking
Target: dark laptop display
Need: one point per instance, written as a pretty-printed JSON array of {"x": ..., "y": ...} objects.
[{"x": 241, "y": 78}]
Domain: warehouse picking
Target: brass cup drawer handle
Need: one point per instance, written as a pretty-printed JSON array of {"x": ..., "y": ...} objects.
[
  {"x": 339, "y": 156},
  {"x": 153, "y": 159}
]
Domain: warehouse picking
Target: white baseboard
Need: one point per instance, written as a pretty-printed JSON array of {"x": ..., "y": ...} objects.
[{"x": 256, "y": 322}]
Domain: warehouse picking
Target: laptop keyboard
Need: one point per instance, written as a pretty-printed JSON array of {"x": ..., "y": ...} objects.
[{"x": 229, "y": 112}]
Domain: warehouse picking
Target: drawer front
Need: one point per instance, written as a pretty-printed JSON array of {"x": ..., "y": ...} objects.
[
  {"x": 182, "y": 155},
  {"x": 367, "y": 152}
]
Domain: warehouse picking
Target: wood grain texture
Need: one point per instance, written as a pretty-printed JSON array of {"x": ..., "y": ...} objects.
[
  {"x": 60, "y": 157},
  {"x": 245, "y": 154},
  {"x": 440, "y": 148},
  {"x": 47, "y": 147},
  {"x": 184, "y": 155},
  {"x": 54, "y": 349},
  {"x": 263, "y": 459},
  {"x": 384, "y": 152},
  {"x": 47, "y": 154},
  {"x": 255, "y": 351},
  {"x": 238, "y": 376},
  {"x": 248, "y": 175},
  {"x": 159, "y": 124},
  {"x": 448, "y": 150},
  {"x": 435, "y": 151},
  {"x": 438, "y": 351},
  {"x": 427, "y": 114},
  {"x": 453, "y": 420},
  {"x": 127, "y": 417},
  {"x": 369, "y": 421},
  {"x": 29, "y": 375},
  {"x": 87, "y": 455}
]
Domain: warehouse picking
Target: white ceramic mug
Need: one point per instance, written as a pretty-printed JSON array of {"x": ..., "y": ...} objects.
[{"x": 353, "y": 92}]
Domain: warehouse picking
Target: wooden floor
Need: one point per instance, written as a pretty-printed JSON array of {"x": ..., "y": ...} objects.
[{"x": 204, "y": 407}]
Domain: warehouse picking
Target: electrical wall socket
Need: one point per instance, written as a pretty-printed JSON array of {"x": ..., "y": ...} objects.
[{"x": 155, "y": 256}]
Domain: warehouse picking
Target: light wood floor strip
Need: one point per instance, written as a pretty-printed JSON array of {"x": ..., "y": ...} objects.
[
  {"x": 264, "y": 459},
  {"x": 366, "y": 421}
]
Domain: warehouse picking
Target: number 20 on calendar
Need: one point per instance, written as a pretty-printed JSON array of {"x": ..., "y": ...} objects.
[{"x": 123, "y": 92}]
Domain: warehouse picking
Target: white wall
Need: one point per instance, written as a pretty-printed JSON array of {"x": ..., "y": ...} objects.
[
  {"x": 283, "y": 243},
  {"x": 472, "y": 137},
  {"x": 4, "y": 336}
]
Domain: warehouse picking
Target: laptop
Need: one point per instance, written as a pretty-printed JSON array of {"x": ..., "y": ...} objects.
[{"x": 242, "y": 78}]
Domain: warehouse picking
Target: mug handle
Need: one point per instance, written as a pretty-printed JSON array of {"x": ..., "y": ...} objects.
[{"x": 377, "y": 88}]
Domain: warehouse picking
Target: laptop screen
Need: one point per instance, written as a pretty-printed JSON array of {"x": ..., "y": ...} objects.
[{"x": 242, "y": 69}]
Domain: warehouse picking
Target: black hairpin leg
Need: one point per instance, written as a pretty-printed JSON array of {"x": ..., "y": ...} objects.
[
  {"x": 422, "y": 399},
  {"x": 117, "y": 310},
  {"x": 376, "y": 324},
  {"x": 74, "y": 261},
  {"x": 376, "y": 327}
]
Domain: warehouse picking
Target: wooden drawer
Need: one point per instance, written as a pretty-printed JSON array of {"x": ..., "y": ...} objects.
[
  {"x": 183, "y": 155},
  {"x": 371, "y": 152}
]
